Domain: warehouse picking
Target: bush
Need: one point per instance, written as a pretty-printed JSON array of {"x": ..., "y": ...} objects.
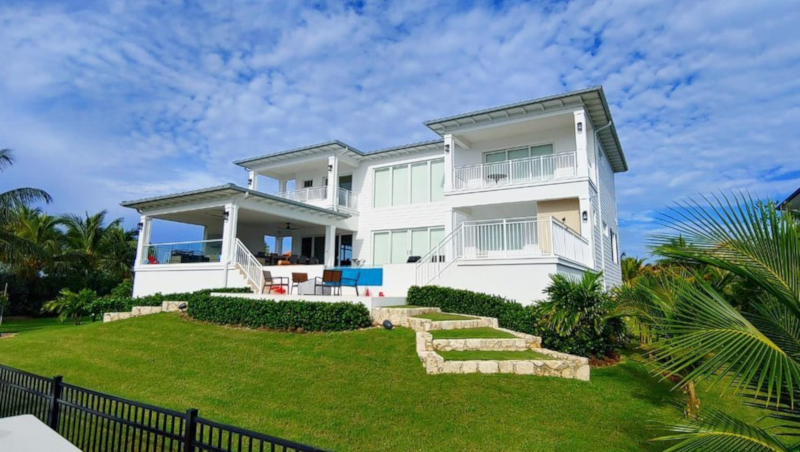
[
  {"x": 509, "y": 314},
  {"x": 72, "y": 305},
  {"x": 573, "y": 320},
  {"x": 116, "y": 303},
  {"x": 280, "y": 315}
]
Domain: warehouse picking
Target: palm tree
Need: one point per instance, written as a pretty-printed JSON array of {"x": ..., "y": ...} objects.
[
  {"x": 12, "y": 248},
  {"x": 42, "y": 232},
  {"x": 758, "y": 349},
  {"x": 633, "y": 268},
  {"x": 103, "y": 247}
]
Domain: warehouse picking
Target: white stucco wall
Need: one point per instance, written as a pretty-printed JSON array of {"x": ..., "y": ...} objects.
[{"x": 178, "y": 278}]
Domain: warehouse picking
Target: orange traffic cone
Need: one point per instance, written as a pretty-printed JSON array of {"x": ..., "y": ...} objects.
[{"x": 367, "y": 294}]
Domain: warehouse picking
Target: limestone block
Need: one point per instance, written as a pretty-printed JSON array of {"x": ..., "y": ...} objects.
[{"x": 488, "y": 367}]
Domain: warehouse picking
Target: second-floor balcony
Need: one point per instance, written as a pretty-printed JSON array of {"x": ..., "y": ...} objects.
[
  {"x": 318, "y": 196},
  {"x": 514, "y": 172}
]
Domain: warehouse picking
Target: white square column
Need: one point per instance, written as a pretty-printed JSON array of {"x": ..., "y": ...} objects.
[
  {"x": 330, "y": 246},
  {"x": 143, "y": 240},
  {"x": 229, "y": 232},
  {"x": 449, "y": 149},
  {"x": 282, "y": 184},
  {"x": 333, "y": 183},
  {"x": 252, "y": 182},
  {"x": 581, "y": 131}
]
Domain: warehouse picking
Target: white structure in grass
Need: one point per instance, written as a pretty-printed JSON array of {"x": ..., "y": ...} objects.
[{"x": 503, "y": 198}]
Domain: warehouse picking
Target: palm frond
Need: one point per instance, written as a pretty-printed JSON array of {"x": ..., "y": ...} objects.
[
  {"x": 708, "y": 338},
  {"x": 6, "y": 158},
  {"x": 716, "y": 431}
]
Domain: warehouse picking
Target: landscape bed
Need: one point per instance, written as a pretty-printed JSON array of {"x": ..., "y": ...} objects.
[{"x": 353, "y": 391}]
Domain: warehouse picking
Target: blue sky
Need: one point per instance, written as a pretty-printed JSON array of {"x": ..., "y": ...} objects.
[{"x": 105, "y": 102}]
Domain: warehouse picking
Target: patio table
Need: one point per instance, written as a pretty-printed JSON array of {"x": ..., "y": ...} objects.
[{"x": 26, "y": 433}]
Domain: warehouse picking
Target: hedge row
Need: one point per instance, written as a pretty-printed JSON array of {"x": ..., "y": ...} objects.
[
  {"x": 509, "y": 314},
  {"x": 117, "y": 303},
  {"x": 280, "y": 315}
]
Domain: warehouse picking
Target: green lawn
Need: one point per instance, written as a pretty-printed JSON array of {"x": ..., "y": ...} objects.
[
  {"x": 23, "y": 324},
  {"x": 489, "y": 355},
  {"x": 472, "y": 333},
  {"x": 439, "y": 316},
  {"x": 354, "y": 391}
]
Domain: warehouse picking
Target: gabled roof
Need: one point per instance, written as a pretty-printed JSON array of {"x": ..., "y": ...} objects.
[
  {"x": 219, "y": 192},
  {"x": 593, "y": 99}
]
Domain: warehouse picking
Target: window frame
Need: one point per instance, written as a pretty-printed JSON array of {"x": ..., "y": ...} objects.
[
  {"x": 308, "y": 183},
  {"x": 409, "y": 240},
  {"x": 409, "y": 191},
  {"x": 517, "y": 148}
]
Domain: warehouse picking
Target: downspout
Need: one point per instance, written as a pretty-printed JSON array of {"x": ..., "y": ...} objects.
[{"x": 600, "y": 199}]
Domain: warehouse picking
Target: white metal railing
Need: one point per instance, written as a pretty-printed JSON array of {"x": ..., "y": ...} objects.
[
  {"x": 306, "y": 194},
  {"x": 252, "y": 268},
  {"x": 347, "y": 199},
  {"x": 569, "y": 244},
  {"x": 195, "y": 252},
  {"x": 520, "y": 171},
  {"x": 504, "y": 238}
]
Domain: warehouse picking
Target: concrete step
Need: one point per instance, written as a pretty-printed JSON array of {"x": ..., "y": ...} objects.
[{"x": 418, "y": 324}]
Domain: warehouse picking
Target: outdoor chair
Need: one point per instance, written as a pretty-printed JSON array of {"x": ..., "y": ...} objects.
[
  {"x": 293, "y": 259},
  {"x": 413, "y": 259},
  {"x": 298, "y": 278},
  {"x": 303, "y": 260},
  {"x": 274, "y": 281},
  {"x": 331, "y": 279},
  {"x": 313, "y": 261}
]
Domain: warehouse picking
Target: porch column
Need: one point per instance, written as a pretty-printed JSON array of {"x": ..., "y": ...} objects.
[
  {"x": 229, "y": 232},
  {"x": 330, "y": 246},
  {"x": 282, "y": 184},
  {"x": 581, "y": 142},
  {"x": 278, "y": 245},
  {"x": 253, "y": 181},
  {"x": 144, "y": 240},
  {"x": 449, "y": 149},
  {"x": 333, "y": 182}
]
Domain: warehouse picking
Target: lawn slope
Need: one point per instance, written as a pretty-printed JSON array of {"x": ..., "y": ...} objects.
[{"x": 353, "y": 391}]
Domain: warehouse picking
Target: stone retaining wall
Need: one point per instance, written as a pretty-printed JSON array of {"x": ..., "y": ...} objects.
[
  {"x": 398, "y": 316},
  {"x": 138, "y": 311},
  {"x": 563, "y": 366},
  {"x": 520, "y": 343},
  {"x": 432, "y": 325}
]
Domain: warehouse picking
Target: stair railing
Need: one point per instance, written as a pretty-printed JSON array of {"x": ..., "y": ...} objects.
[{"x": 251, "y": 266}]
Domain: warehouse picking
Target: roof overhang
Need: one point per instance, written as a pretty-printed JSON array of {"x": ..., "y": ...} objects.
[
  {"x": 792, "y": 202},
  {"x": 335, "y": 147},
  {"x": 222, "y": 193},
  {"x": 593, "y": 100}
]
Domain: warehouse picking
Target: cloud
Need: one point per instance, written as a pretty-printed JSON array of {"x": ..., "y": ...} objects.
[{"x": 138, "y": 98}]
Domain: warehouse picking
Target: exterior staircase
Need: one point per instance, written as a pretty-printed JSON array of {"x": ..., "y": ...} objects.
[{"x": 560, "y": 365}]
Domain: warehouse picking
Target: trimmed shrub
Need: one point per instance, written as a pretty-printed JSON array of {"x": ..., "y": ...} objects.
[
  {"x": 117, "y": 303},
  {"x": 509, "y": 314},
  {"x": 280, "y": 315}
]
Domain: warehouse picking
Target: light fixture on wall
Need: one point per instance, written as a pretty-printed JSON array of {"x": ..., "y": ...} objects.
[
  {"x": 580, "y": 127},
  {"x": 330, "y": 168},
  {"x": 446, "y": 148},
  {"x": 140, "y": 226},
  {"x": 585, "y": 216},
  {"x": 225, "y": 215},
  {"x": 249, "y": 181}
]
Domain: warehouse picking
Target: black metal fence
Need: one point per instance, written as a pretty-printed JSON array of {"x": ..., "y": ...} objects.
[{"x": 94, "y": 421}]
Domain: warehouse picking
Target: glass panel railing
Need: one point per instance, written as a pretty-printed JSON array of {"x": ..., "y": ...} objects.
[{"x": 203, "y": 251}]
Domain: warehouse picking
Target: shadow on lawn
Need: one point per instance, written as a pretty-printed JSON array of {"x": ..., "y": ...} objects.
[{"x": 26, "y": 324}]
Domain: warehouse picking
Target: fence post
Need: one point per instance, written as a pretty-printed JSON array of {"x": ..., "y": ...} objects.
[
  {"x": 190, "y": 430},
  {"x": 55, "y": 395}
]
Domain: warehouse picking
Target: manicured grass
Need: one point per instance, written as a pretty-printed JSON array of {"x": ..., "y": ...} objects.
[
  {"x": 355, "y": 391},
  {"x": 25, "y": 324},
  {"x": 489, "y": 355},
  {"x": 472, "y": 333},
  {"x": 439, "y": 316}
]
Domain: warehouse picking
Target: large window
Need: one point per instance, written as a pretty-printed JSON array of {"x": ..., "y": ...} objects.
[
  {"x": 394, "y": 247},
  {"x": 412, "y": 183},
  {"x": 518, "y": 153}
]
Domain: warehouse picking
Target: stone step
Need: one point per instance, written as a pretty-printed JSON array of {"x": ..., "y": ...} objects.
[
  {"x": 138, "y": 311},
  {"x": 418, "y": 324},
  {"x": 398, "y": 316},
  {"x": 499, "y": 344}
]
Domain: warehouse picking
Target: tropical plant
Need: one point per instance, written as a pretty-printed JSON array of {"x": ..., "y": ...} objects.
[
  {"x": 575, "y": 317},
  {"x": 72, "y": 305},
  {"x": 103, "y": 247},
  {"x": 757, "y": 349},
  {"x": 632, "y": 269},
  {"x": 13, "y": 247},
  {"x": 41, "y": 231},
  {"x": 3, "y": 305}
]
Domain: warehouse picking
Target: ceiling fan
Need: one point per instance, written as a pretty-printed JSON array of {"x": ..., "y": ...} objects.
[{"x": 288, "y": 227}]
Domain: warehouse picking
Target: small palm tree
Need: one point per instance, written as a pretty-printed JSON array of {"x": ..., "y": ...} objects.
[
  {"x": 632, "y": 269},
  {"x": 102, "y": 247},
  {"x": 757, "y": 348},
  {"x": 41, "y": 231},
  {"x": 71, "y": 305}
]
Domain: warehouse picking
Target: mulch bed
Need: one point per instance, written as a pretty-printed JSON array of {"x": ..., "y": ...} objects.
[{"x": 605, "y": 361}]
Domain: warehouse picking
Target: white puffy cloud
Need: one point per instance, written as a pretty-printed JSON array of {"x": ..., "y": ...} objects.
[{"x": 138, "y": 98}]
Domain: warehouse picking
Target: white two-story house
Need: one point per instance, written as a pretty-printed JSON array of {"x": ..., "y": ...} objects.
[{"x": 498, "y": 201}]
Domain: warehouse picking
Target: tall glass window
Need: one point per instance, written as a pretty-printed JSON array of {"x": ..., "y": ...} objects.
[
  {"x": 381, "y": 251},
  {"x": 397, "y": 245},
  {"x": 413, "y": 183}
]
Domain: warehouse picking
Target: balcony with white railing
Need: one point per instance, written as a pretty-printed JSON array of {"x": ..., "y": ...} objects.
[
  {"x": 318, "y": 196},
  {"x": 197, "y": 252},
  {"x": 514, "y": 172},
  {"x": 509, "y": 238}
]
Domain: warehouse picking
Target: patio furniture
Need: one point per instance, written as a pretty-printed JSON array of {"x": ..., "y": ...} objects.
[
  {"x": 497, "y": 177},
  {"x": 331, "y": 279},
  {"x": 297, "y": 279},
  {"x": 303, "y": 260},
  {"x": 274, "y": 281},
  {"x": 293, "y": 259},
  {"x": 413, "y": 259},
  {"x": 351, "y": 282},
  {"x": 313, "y": 261}
]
